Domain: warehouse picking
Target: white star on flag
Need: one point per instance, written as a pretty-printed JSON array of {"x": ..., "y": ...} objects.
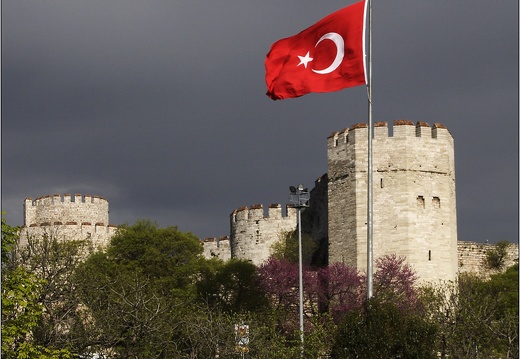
[{"x": 305, "y": 60}]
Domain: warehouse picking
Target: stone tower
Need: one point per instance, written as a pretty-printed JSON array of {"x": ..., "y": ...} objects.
[
  {"x": 68, "y": 217},
  {"x": 414, "y": 207},
  {"x": 253, "y": 234}
]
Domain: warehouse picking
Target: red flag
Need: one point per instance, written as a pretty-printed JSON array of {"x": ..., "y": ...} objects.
[{"x": 328, "y": 56}]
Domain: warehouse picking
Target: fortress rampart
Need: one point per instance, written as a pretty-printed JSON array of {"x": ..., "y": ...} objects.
[
  {"x": 253, "y": 233},
  {"x": 414, "y": 209},
  {"x": 68, "y": 217},
  {"x": 472, "y": 256}
]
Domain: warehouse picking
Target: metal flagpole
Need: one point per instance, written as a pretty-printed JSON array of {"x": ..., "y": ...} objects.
[{"x": 369, "y": 170}]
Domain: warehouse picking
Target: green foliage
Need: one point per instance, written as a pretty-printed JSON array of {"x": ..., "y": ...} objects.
[
  {"x": 9, "y": 238},
  {"x": 53, "y": 262},
  {"x": 286, "y": 247},
  {"x": 495, "y": 258},
  {"x": 381, "y": 330},
  {"x": 504, "y": 287},
  {"x": 168, "y": 257},
  {"x": 231, "y": 286},
  {"x": 137, "y": 291},
  {"x": 476, "y": 315},
  {"x": 24, "y": 309},
  {"x": 123, "y": 306},
  {"x": 150, "y": 294},
  {"x": 486, "y": 321},
  {"x": 21, "y": 311}
]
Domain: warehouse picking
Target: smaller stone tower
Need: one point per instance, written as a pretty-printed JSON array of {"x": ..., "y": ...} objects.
[
  {"x": 253, "y": 234},
  {"x": 67, "y": 218}
]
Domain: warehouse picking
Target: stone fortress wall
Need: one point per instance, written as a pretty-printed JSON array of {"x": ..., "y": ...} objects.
[
  {"x": 413, "y": 196},
  {"x": 81, "y": 217},
  {"x": 472, "y": 256},
  {"x": 216, "y": 247},
  {"x": 68, "y": 217}
]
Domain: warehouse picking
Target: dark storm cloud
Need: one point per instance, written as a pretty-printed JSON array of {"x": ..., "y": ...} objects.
[{"x": 160, "y": 106}]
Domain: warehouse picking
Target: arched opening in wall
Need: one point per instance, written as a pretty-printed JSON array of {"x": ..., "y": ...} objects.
[
  {"x": 436, "y": 202},
  {"x": 429, "y": 255},
  {"x": 381, "y": 183},
  {"x": 420, "y": 202}
]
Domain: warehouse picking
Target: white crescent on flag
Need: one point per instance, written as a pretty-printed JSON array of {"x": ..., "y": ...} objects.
[{"x": 340, "y": 51}]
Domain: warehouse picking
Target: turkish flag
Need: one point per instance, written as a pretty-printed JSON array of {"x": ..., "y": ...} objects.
[{"x": 328, "y": 56}]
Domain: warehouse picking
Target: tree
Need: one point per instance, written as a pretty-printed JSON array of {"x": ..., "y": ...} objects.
[
  {"x": 280, "y": 281},
  {"x": 381, "y": 329},
  {"x": 231, "y": 286},
  {"x": 487, "y": 314},
  {"x": 475, "y": 316},
  {"x": 396, "y": 281},
  {"x": 53, "y": 262},
  {"x": 137, "y": 294},
  {"x": 24, "y": 312},
  {"x": 126, "y": 312},
  {"x": 495, "y": 257},
  {"x": 169, "y": 257},
  {"x": 389, "y": 325},
  {"x": 340, "y": 289},
  {"x": 286, "y": 248},
  {"x": 9, "y": 239}
]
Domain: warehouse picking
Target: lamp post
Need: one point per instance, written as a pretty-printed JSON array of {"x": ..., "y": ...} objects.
[{"x": 299, "y": 197}]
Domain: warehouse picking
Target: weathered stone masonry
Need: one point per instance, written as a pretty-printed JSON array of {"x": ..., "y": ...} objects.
[
  {"x": 253, "y": 233},
  {"x": 68, "y": 217},
  {"x": 217, "y": 247},
  {"x": 414, "y": 209},
  {"x": 472, "y": 256}
]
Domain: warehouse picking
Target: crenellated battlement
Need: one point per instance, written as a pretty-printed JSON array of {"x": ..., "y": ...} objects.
[
  {"x": 402, "y": 129},
  {"x": 66, "y": 208},
  {"x": 410, "y": 147},
  {"x": 68, "y": 216},
  {"x": 256, "y": 212},
  {"x": 67, "y": 198}
]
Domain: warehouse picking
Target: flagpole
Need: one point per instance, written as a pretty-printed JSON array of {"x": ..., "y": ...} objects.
[{"x": 369, "y": 170}]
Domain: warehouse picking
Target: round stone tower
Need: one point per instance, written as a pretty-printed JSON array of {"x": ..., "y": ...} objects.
[
  {"x": 67, "y": 217},
  {"x": 414, "y": 205},
  {"x": 253, "y": 234}
]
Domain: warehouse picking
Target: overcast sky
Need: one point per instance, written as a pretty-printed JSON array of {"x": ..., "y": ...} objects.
[{"x": 160, "y": 106}]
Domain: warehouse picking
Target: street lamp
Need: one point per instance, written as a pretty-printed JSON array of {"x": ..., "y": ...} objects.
[{"x": 299, "y": 198}]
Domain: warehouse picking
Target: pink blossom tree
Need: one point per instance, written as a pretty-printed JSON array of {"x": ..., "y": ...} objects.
[
  {"x": 395, "y": 280},
  {"x": 279, "y": 280},
  {"x": 340, "y": 290},
  {"x": 337, "y": 289}
]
